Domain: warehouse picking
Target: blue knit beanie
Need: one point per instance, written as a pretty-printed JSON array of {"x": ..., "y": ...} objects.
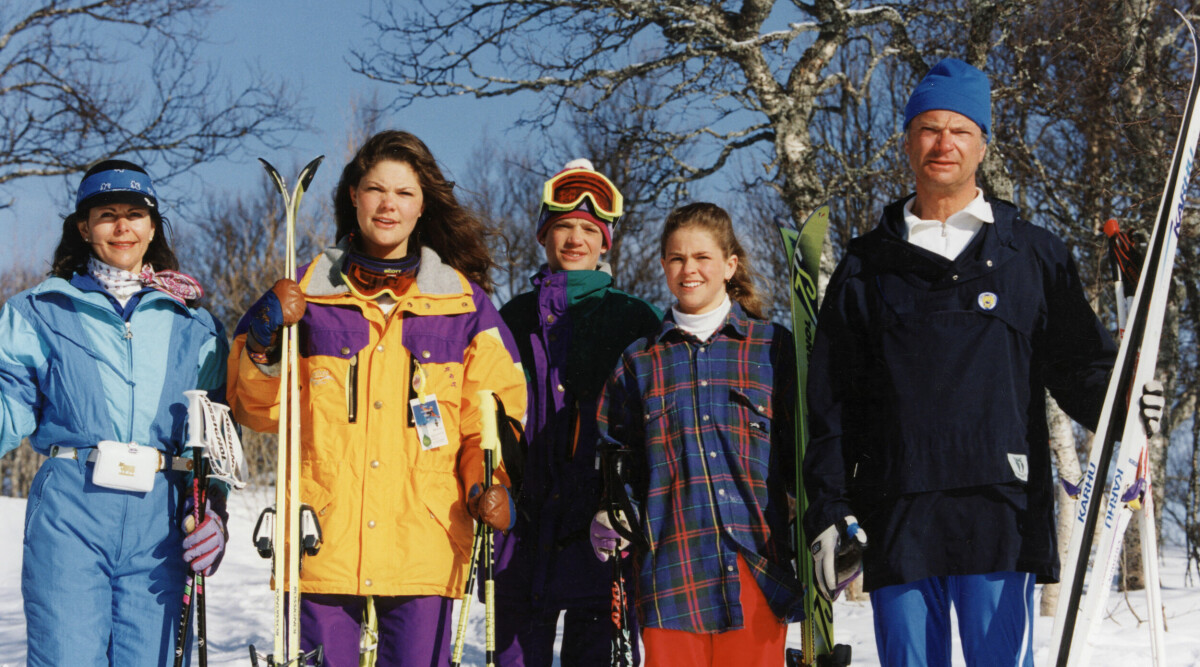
[{"x": 953, "y": 85}]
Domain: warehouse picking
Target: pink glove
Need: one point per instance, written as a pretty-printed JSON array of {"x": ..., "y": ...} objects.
[
  {"x": 204, "y": 545},
  {"x": 606, "y": 541}
]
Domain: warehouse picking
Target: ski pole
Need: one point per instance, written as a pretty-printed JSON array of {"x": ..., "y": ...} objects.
[
  {"x": 193, "y": 584},
  {"x": 490, "y": 442},
  {"x": 190, "y": 583},
  {"x": 465, "y": 609},
  {"x": 1125, "y": 262},
  {"x": 201, "y": 499},
  {"x": 622, "y": 649},
  {"x": 610, "y": 459}
]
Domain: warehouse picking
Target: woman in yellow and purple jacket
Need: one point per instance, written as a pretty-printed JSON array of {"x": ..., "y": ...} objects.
[{"x": 397, "y": 334}]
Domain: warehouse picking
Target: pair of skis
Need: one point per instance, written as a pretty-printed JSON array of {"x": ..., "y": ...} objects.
[
  {"x": 803, "y": 247},
  {"x": 288, "y": 541},
  {"x": 1104, "y": 522}
]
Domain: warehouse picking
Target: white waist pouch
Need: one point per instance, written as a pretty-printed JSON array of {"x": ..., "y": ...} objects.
[{"x": 127, "y": 466}]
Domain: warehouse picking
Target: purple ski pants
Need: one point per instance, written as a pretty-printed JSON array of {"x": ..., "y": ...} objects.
[{"x": 414, "y": 631}]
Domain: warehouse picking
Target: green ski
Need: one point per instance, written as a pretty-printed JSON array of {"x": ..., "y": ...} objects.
[{"x": 803, "y": 248}]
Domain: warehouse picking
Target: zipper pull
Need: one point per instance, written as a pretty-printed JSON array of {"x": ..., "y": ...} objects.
[
  {"x": 944, "y": 234},
  {"x": 128, "y": 331}
]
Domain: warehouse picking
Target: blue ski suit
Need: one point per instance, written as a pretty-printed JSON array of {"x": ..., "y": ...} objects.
[
  {"x": 926, "y": 398},
  {"x": 102, "y": 573}
]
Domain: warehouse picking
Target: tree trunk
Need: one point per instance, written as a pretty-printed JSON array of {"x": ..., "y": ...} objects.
[
  {"x": 1062, "y": 446},
  {"x": 17, "y": 469},
  {"x": 854, "y": 592}
]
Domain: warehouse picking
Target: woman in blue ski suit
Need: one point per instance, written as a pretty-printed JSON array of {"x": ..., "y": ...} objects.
[{"x": 102, "y": 351}]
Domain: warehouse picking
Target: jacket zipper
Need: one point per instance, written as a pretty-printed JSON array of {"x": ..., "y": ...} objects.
[
  {"x": 132, "y": 387},
  {"x": 352, "y": 390}
]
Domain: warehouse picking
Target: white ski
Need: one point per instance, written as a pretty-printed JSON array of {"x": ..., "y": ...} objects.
[
  {"x": 1135, "y": 365},
  {"x": 285, "y": 562}
]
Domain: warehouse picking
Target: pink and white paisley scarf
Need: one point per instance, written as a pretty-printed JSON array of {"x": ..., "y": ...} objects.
[{"x": 123, "y": 284}]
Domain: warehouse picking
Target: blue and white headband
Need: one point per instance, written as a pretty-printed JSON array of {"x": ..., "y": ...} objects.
[{"x": 125, "y": 186}]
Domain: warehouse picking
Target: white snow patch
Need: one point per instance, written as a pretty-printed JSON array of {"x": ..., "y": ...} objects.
[{"x": 240, "y": 606}]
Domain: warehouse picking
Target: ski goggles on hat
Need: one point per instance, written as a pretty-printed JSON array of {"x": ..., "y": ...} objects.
[
  {"x": 566, "y": 190},
  {"x": 369, "y": 278}
]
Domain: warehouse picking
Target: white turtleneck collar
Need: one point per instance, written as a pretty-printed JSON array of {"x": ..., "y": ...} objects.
[{"x": 703, "y": 325}]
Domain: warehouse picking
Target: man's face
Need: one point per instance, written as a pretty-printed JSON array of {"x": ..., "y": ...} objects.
[{"x": 944, "y": 150}]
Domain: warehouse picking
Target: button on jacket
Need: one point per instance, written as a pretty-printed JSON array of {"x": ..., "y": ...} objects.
[
  {"x": 926, "y": 397},
  {"x": 714, "y": 422},
  {"x": 392, "y": 512}
]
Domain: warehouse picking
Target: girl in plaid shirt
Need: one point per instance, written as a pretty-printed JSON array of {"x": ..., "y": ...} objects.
[{"x": 705, "y": 405}]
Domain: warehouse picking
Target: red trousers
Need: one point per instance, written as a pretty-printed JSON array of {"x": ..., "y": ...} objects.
[{"x": 759, "y": 643}]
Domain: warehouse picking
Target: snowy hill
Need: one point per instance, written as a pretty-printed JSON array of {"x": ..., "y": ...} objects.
[{"x": 240, "y": 606}]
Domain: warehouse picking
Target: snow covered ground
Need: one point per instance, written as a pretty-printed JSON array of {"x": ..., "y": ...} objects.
[{"x": 240, "y": 607}]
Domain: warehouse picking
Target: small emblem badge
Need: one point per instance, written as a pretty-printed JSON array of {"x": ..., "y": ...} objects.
[
  {"x": 1020, "y": 466},
  {"x": 987, "y": 300},
  {"x": 319, "y": 377}
]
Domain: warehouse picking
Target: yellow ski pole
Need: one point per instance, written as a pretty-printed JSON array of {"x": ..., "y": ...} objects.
[
  {"x": 490, "y": 443},
  {"x": 464, "y": 609}
]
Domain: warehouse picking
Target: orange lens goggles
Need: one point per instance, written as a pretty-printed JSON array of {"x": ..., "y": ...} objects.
[
  {"x": 367, "y": 283},
  {"x": 566, "y": 190}
]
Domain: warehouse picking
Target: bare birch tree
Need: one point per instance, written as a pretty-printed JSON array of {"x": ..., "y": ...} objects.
[
  {"x": 745, "y": 79},
  {"x": 81, "y": 80}
]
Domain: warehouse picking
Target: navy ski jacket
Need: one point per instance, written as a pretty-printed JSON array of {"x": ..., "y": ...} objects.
[{"x": 926, "y": 397}]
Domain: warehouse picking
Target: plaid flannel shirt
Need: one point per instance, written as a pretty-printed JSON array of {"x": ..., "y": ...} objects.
[{"x": 714, "y": 420}]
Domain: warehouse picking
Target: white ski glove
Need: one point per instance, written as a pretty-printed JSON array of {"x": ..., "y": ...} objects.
[
  {"x": 837, "y": 556},
  {"x": 1152, "y": 406}
]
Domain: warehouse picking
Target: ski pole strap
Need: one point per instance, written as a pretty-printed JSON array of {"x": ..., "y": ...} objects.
[
  {"x": 512, "y": 448},
  {"x": 616, "y": 464}
]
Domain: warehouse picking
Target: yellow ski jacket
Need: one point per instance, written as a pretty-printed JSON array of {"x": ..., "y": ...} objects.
[{"x": 392, "y": 511}]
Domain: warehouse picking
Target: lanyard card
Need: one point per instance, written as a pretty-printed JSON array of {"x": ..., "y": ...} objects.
[{"x": 427, "y": 416}]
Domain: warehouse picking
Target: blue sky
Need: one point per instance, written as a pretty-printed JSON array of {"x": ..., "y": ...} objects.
[{"x": 306, "y": 43}]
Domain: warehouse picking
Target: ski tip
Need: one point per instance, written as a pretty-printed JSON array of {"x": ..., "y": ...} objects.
[
  {"x": 1111, "y": 228},
  {"x": 1183, "y": 17},
  {"x": 276, "y": 178},
  {"x": 818, "y": 218},
  {"x": 268, "y": 166},
  {"x": 1191, "y": 33},
  {"x": 310, "y": 170}
]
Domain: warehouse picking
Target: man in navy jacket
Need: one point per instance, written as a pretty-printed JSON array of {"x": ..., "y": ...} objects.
[{"x": 941, "y": 330}]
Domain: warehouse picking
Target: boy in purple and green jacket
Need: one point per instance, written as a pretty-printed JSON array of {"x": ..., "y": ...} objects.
[{"x": 570, "y": 332}]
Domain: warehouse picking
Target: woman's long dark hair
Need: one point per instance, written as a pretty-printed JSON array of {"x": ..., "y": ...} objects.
[
  {"x": 445, "y": 226},
  {"x": 714, "y": 220}
]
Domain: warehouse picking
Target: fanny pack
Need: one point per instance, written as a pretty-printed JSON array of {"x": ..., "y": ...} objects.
[{"x": 126, "y": 466}]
